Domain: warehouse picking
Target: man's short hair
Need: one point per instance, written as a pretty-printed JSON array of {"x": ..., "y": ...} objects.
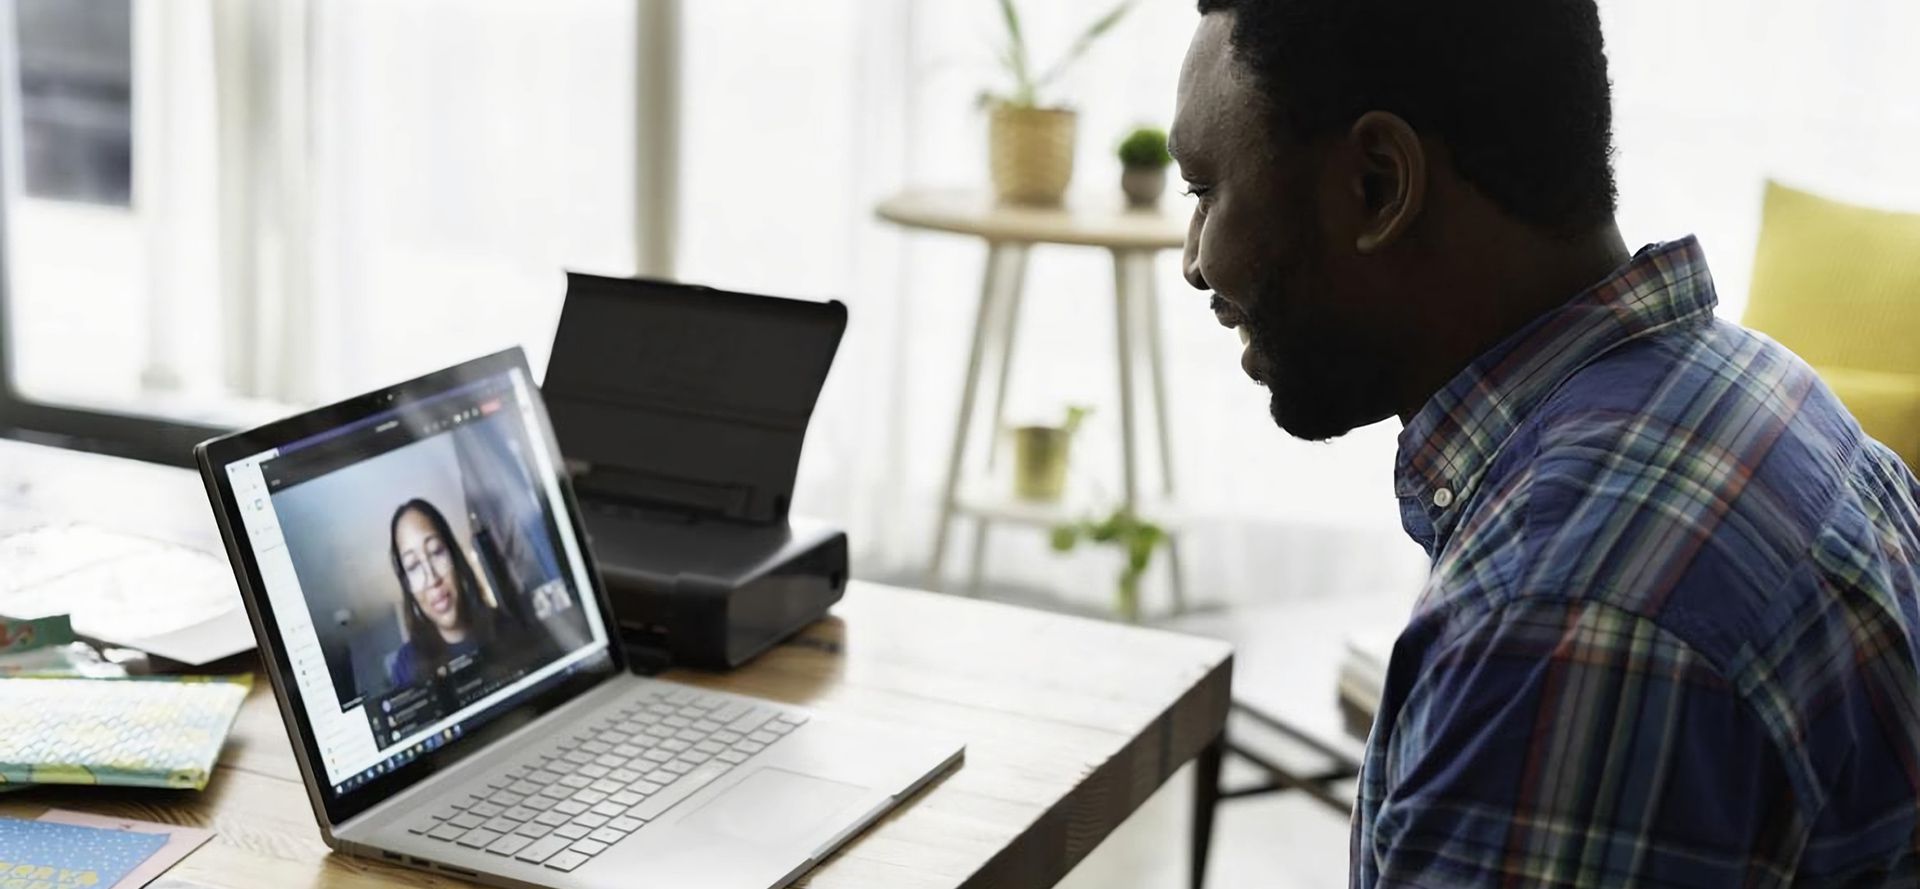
[{"x": 1516, "y": 89}]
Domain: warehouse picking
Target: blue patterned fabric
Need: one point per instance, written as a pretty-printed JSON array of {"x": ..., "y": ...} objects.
[{"x": 1671, "y": 635}]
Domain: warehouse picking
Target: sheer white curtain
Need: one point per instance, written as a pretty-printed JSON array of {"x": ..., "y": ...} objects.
[
  {"x": 799, "y": 117},
  {"x": 464, "y": 154},
  {"x": 355, "y": 191}
]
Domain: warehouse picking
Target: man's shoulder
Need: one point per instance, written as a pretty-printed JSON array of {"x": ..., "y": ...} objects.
[
  {"x": 1684, "y": 477},
  {"x": 1699, "y": 430}
]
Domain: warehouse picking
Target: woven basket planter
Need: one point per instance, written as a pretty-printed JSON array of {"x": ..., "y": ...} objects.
[{"x": 1031, "y": 153}]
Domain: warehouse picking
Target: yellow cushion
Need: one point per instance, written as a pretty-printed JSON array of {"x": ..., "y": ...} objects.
[
  {"x": 1838, "y": 284},
  {"x": 1886, "y": 404}
]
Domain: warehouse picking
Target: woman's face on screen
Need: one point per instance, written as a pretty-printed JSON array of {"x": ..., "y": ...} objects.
[{"x": 428, "y": 562}]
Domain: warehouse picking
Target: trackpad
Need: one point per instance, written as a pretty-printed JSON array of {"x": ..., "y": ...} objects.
[{"x": 777, "y": 807}]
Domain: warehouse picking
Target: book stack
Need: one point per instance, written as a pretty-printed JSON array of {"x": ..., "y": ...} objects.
[{"x": 1363, "y": 675}]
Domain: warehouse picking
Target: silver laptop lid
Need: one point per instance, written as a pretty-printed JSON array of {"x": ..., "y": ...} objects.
[{"x": 416, "y": 572}]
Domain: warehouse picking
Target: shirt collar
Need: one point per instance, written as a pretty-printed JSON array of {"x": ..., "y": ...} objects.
[{"x": 1447, "y": 446}]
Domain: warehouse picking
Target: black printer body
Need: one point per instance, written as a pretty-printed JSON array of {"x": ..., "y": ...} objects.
[{"x": 682, "y": 411}]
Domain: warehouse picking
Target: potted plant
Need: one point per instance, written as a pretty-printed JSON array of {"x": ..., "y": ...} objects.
[
  {"x": 1040, "y": 457},
  {"x": 1143, "y": 166},
  {"x": 1029, "y": 142},
  {"x": 1136, "y": 538}
]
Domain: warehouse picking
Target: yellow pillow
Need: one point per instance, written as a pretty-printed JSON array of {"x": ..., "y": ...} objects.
[
  {"x": 1838, "y": 284},
  {"x": 1886, "y": 404}
]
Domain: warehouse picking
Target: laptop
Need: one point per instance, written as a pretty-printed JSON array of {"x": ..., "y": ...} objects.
[{"x": 446, "y": 660}]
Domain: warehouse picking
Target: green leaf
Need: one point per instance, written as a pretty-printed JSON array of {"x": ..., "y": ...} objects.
[
  {"x": 1065, "y": 538},
  {"x": 1076, "y": 414},
  {"x": 1140, "y": 553},
  {"x": 1094, "y": 32},
  {"x": 1016, "y": 55}
]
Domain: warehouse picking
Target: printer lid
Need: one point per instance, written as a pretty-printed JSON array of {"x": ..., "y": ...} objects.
[{"x": 686, "y": 397}]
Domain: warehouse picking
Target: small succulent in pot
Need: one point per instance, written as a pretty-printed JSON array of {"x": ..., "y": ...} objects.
[{"x": 1143, "y": 161}]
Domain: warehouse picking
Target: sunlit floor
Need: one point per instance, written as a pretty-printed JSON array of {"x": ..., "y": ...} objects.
[{"x": 1278, "y": 841}]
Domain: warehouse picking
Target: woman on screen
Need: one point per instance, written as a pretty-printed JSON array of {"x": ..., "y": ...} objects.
[{"x": 446, "y": 617}]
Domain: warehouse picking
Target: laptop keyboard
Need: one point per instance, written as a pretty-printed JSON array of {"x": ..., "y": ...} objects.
[{"x": 576, "y": 799}]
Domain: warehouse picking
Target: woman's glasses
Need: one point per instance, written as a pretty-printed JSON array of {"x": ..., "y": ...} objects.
[{"x": 422, "y": 571}]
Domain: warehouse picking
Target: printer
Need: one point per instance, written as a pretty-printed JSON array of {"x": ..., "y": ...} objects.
[{"x": 681, "y": 411}]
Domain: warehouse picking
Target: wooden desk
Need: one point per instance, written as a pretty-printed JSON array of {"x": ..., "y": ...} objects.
[
  {"x": 1288, "y": 657},
  {"x": 1069, "y": 724}
]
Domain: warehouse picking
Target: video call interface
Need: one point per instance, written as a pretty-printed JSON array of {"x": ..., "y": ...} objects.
[{"x": 429, "y": 557}]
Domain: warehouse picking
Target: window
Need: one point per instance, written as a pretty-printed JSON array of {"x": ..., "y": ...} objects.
[
  {"x": 76, "y": 100},
  {"x": 221, "y": 212}
]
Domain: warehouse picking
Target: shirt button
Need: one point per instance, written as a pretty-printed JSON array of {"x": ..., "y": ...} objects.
[{"x": 1443, "y": 498}]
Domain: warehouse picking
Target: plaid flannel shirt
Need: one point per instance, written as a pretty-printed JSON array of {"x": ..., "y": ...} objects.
[{"x": 1671, "y": 635}]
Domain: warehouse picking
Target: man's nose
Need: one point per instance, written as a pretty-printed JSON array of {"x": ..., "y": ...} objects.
[{"x": 1190, "y": 266}]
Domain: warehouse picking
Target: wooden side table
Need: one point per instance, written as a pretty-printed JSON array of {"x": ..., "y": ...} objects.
[{"x": 1134, "y": 238}]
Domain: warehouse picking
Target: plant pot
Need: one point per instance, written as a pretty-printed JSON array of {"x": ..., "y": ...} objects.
[
  {"x": 1143, "y": 185},
  {"x": 1030, "y": 151},
  {"x": 1040, "y": 462}
]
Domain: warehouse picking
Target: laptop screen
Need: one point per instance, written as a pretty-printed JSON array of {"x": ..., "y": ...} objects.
[{"x": 423, "y": 572}]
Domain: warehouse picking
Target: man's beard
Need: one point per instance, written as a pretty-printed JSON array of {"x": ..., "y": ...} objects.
[{"x": 1317, "y": 371}]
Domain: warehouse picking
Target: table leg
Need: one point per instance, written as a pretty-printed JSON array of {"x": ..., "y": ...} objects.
[
  {"x": 998, "y": 256},
  {"x": 978, "y": 557},
  {"x": 1015, "y": 285},
  {"x": 1006, "y": 326},
  {"x": 1206, "y": 799},
  {"x": 1157, "y": 366},
  {"x": 1123, "y": 323}
]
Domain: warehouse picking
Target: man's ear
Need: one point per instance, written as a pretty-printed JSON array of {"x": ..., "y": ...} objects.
[{"x": 1392, "y": 186}]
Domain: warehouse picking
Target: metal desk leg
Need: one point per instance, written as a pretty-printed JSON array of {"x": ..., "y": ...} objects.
[{"x": 1206, "y": 799}]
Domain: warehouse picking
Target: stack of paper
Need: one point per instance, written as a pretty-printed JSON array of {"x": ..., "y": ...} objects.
[
  {"x": 1363, "y": 671},
  {"x": 125, "y": 591}
]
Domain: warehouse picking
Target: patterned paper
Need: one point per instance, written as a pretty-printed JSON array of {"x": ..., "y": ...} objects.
[
  {"x": 45, "y": 855},
  {"x": 181, "y": 841},
  {"x": 157, "y": 732}
]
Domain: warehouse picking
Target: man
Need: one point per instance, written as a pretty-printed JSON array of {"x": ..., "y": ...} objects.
[{"x": 1670, "y": 636}]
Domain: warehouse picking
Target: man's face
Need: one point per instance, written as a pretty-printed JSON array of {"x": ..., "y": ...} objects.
[{"x": 1267, "y": 237}]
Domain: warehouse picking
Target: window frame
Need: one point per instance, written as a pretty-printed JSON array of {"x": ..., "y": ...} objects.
[{"x": 150, "y": 438}]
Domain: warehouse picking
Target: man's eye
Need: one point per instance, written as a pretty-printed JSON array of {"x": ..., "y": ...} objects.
[{"x": 1196, "y": 190}]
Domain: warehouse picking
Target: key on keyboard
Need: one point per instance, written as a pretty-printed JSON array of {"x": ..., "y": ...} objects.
[{"x": 575, "y": 800}]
